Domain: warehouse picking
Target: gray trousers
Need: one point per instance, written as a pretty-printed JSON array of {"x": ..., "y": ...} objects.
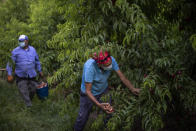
[{"x": 27, "y": 89}]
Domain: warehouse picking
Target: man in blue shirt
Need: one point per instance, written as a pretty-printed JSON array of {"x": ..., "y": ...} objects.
[
  {"x": 26, "y": 63},
  {"x": 94, "y": 83}
]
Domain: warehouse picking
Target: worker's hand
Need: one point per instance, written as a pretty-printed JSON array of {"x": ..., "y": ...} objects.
[
  {"x": 41, "y": 74},
  {"x": 109, "y": 109},
  {"x": 103, "y": 105},
  {"x": 106, "y": 107},
  {"x": 110, "y": 87},
  {"x": 135, "y": 91},
  {"x": 10, "y": 78}
]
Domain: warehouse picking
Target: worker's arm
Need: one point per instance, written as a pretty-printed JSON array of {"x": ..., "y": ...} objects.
[
  {"x": 9, "y": 67},
  {"x": 90, "y": 95},
  {"x": 127, "y": 83}
]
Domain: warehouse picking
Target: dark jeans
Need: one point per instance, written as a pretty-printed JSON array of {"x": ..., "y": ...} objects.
[{"x": 85, "y": 109}]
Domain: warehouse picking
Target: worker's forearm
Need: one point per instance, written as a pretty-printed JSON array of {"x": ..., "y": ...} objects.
[
  {"x": 125, "y": 80},
  {"x": 90, "y": 95},
  {"x": 127, "y": 83}
]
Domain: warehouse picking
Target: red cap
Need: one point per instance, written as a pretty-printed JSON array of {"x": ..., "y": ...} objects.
[{"x": 102, "y": 58}]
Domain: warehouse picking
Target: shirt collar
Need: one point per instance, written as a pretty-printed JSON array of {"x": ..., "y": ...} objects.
[{"x": 25, "y": 49}]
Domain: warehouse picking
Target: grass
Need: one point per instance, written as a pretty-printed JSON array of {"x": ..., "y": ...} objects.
[
  {"x": 57, "y": 113},
  {"x": 49, "y": 115}
]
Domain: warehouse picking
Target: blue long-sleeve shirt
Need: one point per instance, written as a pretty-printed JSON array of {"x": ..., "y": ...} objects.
[{"x": 26, "y": 62}]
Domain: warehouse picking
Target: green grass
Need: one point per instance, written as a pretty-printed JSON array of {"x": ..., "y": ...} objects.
[
  {"x": 49, "y": 115},
  {"x": 57, "y": 113}
]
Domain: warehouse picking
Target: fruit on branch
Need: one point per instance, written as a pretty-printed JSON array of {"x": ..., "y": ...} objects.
[
  {"x": 151, "y": 91},
  {"x": 173, "y": 75},
  {"x": 113, "y": 2},
  {"x": 145, "y": 75},
  {"x": 179, "y": 72}
]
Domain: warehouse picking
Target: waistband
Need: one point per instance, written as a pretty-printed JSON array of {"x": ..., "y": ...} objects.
[{"x": 25, "y": 78}]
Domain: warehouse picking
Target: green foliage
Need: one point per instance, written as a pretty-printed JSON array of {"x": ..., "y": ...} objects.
[
  {"x": 150, "y": 39},
  {"x": 44, "y": 18},
  {"x": 13, "y": 16},
  {"x": 193, "y": 40}
]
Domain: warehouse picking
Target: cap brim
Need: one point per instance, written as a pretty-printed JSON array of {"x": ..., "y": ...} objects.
[{"x": 21, "y": 40}]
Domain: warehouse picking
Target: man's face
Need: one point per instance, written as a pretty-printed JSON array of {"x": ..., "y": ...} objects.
[
  {"x": 23, "y": 44},
  {"x": 108, "y": 63},
  {"x": 106, "y": 66}
]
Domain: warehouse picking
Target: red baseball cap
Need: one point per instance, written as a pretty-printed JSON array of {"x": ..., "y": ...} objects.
[{"x": 102, "y": 58}]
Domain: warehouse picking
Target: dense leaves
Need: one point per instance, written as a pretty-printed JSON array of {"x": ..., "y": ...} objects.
[{"x": 153, "y": 42}]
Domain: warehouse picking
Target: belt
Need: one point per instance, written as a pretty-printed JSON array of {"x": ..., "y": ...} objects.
[
  {"x": 82, "y": 94},
  {"x": 24, "y": 78}
]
